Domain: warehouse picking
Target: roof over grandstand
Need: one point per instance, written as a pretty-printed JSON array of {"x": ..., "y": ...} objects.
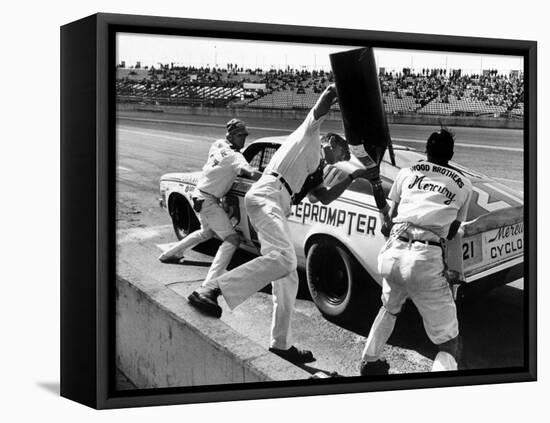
[{"x": 153, "y": 50}]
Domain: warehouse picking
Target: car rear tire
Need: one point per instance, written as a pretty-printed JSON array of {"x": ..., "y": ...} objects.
[
  {"x": 335, "y": 280},
  {"x": 183, "y": 217}
]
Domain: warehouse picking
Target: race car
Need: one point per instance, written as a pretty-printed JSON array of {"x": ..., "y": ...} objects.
[{"x": 338, "y": 244}]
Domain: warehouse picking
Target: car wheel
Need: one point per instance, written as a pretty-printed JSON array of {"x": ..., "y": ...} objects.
[
  {"x": 183, "y": 217},
  {"x": 335, "y": 280}
]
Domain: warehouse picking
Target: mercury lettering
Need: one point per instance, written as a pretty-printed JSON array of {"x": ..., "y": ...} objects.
[
  {"x": 419, "y": 181},
  {"x": 506, "y": 241},
  {"x": 507, "y": 232}
]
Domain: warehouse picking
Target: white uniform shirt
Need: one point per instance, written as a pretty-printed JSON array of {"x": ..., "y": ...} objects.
[
  {"x": 431, "y": 196},
  {"x": 221, "y": 169},
  {"x": 300, "y": 154}
]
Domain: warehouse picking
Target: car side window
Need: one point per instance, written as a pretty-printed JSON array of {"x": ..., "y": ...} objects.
[
  {"x": 256, "y": 160},
  {"x": 259, "y": 155},
  {"x": 268, "y": 154}
]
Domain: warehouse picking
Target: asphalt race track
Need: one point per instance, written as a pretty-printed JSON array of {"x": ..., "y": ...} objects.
[{"x": 151, "y": 144}]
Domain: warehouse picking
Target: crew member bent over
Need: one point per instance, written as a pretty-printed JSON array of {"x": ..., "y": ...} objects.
[
  {"x": 430, "y": 200},
  {"x": 224, "y": 164},
  {"x": 268, "y": 204}
]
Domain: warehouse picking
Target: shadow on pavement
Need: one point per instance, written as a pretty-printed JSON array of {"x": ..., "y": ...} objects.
[
  {"x": 196, "y": 263},
  {"x": 491, "y": 324},
  {"x": 491, "y": 328},
  {"x": 317, "y": 372}
]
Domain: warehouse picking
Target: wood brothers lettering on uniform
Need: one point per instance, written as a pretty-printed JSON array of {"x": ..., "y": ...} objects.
[
  {"x": 429, "y": 167},
  {"x": 358, "y": 222}
]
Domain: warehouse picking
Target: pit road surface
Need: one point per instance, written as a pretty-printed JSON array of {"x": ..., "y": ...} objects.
[{"x": 150, "y": 144}]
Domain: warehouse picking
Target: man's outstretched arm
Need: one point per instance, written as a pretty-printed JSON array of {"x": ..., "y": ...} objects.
[{"x": 324, "y": 102}]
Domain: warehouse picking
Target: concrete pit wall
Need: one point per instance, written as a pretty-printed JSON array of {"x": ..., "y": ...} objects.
[
  {"x": 299, "y": 114},
  {"x": 161, "y": 341}
]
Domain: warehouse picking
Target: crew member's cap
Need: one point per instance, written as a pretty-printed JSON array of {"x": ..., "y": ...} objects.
[{"x": 235, "y": 127}]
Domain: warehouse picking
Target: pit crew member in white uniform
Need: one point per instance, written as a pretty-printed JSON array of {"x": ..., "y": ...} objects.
[
  {"x": 224, "y": 164},
  {"x": 430, "y": 200},
  {"x": 268, "y": 204}
]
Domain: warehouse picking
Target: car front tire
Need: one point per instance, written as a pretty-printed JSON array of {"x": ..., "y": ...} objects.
[{"x": 335, "y": 280}]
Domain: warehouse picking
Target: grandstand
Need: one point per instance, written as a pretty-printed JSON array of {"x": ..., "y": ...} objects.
[
  {"x": 400, "y": 103},
  {"x": 454, "y": 106},
  {"x": 432, "y": 92},
  {"x": 287, "y": 99},
  {"x": 175, "y": 87},
  {"x": 518, "y": 110}
]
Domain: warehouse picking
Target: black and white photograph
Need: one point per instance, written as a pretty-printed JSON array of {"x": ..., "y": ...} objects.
[
  {"x": 292, "y": 211},
  {"x": 275, "y": 211}
]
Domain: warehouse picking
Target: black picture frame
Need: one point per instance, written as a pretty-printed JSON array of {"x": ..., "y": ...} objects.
[{"x": 87, "y": 213}]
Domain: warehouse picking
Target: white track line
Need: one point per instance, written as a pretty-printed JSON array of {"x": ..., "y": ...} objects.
[
  {"x": 162, "y": 134},
  {"x": 488, "y": 147},
  {"x": 261, "y": 128},
  {"x": 507, "y": 180},
  {"x": 207, "y": 124}
]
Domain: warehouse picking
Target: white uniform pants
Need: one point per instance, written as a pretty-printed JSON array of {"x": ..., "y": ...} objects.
[
  {"x": 214, "y": 221},
  {"x": 412, "y": 270},
  {"x": 267, "y": 204}
]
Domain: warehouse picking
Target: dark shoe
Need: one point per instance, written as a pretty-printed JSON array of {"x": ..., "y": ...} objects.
[
  {"x": 372, "y": 368},
  {"x": 171, "y": 260},
  {"x": 294, "y": 355},
  {"x": 206, "y": 300}
]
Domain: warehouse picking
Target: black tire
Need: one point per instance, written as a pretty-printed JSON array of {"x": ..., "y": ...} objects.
[
  {"x": 183, "y": 217},
  {"x": 335, "y": 280}
]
